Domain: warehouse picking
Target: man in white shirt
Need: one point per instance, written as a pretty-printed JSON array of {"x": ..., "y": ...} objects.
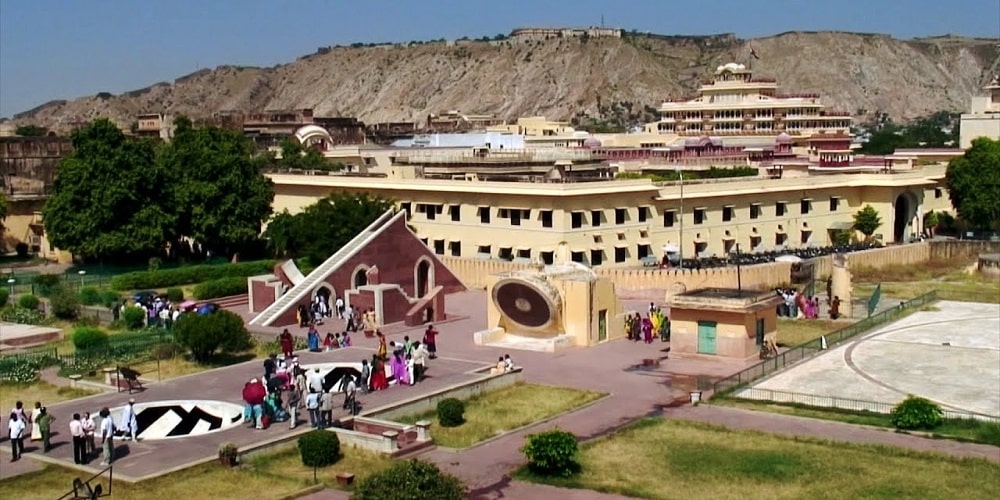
[
  {"x": 79, "y": 440},
  {"x": 339, "y": 304},
  {"x": 351, "y": 391},
  {"x": 129, "y": 422},
  {"x": 107, "y": 436},
  {"x": 15, "y": 430},
  {"x": 316, "y": 381},
  {"x": 312, "y": 404}
]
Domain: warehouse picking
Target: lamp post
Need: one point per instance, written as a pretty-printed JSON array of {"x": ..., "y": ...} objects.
[
  {"x": 10, "y": 283},
  {"x": 82, "y": 273},
  {"x": 680, "y": 246}
]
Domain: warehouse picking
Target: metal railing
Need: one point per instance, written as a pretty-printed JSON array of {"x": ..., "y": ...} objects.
[
  {"x": 855, "y": 405},
  {"x": 808, "y": 349}
]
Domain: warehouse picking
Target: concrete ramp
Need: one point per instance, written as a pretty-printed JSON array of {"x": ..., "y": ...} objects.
[{"x": 306, "y": 284}]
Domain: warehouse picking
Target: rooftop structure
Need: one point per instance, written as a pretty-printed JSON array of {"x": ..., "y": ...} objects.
[
  {"x": 526, "y": 34},
  {"x": 734, "y": 103},
  {"x": 983, "y": 118}
]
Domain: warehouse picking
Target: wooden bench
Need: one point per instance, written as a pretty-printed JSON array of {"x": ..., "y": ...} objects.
[{"x": 131, "y": 378}]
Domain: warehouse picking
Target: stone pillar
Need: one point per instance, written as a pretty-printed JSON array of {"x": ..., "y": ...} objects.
[
  {"x": 840, "y": 274},
  {"x": 389, "y": 441},
  {"x": 109, "y": 374},
  {"x": 74, "y": 380},
  {"x": 423, "y": 430}
]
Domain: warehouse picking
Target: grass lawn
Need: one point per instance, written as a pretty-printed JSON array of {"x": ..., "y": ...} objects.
[
  {"x": 36, "y": 391},
  {"x": 504, "y": 410},
  {"x": 287, "y": 464},
  {"x": 958, "y": 429},
  {"x": 658, "y": 458},
  {"x": 950, "y": 279},
  {"x": 793, "y": 332},
  {"x": 266, "y": 476}
]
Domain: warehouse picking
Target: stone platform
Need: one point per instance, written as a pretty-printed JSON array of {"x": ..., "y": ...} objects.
[{"x": 16, "y": 336}]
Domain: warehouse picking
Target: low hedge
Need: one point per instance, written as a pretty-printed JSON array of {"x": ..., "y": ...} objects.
[
  {"x": 222, "y": 287},
  {"x": 163, "y": 278}
]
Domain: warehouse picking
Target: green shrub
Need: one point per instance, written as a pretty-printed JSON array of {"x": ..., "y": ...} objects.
[
  {"x": 28, "y": 301},
  {"x": 133, "y": 317},
  {"x": 88, "y": 337},
  {"x": 222, "y": 287},
  {"x": 65, "y": 304},
  {"x": 175, "y": 294},
  {"x": 552, "y": 453},
  {"x": 110, "y": 298},
  {"x": 44, "y": 283},
  {"x": 451, "y": 412},
  {"x": 916, "y": 413},
  {"x": 90, "y": 296},
  {"x": 319, "y": 448},
  {"x": 410, "y": 480},
  {"x": 205, "y": 334},
  {"x": 4, "y": 296},
  {"x": 189, "y": 275}
]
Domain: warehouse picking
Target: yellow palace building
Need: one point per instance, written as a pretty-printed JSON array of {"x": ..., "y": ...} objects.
[{"x": 625, "y": 223}]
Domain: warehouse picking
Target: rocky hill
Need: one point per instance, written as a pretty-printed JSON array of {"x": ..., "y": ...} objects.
[{"x": 606, "y": 79}]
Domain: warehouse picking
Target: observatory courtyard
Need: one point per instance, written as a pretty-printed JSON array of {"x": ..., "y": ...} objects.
[{"x": 949, "y": 353}]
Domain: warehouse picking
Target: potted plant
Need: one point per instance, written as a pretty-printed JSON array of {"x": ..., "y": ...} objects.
[{"x": 228, "y": 454}]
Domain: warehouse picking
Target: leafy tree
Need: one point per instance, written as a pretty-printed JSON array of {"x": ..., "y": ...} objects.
[
  {"x": 204, "y": 334},
  {"x": 973, "y": 182},
  {"x": 323, "y": 227},
  {"x": 931, "y": 221},
  {"x": 107, "y": 198},
  {"x": 31, "y": 131},
  {"x": 867, "y": 221},
  {"x": 293, "y": 155},
  {"x": 410, "y": 480},
  {"x": 217, "y": 186},
  {"x": 65, "y": 304},
  {"x": 3, "y": 207},
  {"x": 319, "y": 448}
]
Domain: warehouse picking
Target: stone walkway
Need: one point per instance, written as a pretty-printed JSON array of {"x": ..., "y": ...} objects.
[{"x": 613, "y": 368}]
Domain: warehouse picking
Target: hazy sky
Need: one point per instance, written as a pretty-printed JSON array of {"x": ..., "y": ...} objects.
[{"x": 63, "y": 49}]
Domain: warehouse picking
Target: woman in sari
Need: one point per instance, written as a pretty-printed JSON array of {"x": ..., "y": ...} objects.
[
  {"x": 383, "y": 351},
  {"x": 379, "y": 381},
  {"x": 399, "y": 370},
  {"x": 647, "y": 331}
]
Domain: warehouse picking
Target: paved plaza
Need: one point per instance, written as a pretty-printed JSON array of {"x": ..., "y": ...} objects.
[
  {"x": 613, "y": 367},
  {"x": 950, "y": 355}
]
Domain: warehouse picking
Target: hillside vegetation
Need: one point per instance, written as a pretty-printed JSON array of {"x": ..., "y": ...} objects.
[{"x": 605, "y": 79}]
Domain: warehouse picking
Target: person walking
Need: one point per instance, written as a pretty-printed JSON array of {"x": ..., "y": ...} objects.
[
  {"x": 15, "y": 431},
  {"x": 88, "y": 433},
  {"x": 312, "y": 404},
  {"x": 129, "y": 422},
  {"x": 287, "y": 344},
  {"x": 430, "y": 340},
  {"x": 36, "y": 433},
  {"x": 326, "y": 408},
  {"x": 107, "y": 436},
  {"x": 79, "y": 440},
  {"x": 44, "y": 423}
]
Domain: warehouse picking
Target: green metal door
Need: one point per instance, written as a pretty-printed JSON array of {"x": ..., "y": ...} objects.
[
  {"x": 706, "y": 337},
  {"x": 602, "y": 325},
  {"x": 760, "y": 332}
]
